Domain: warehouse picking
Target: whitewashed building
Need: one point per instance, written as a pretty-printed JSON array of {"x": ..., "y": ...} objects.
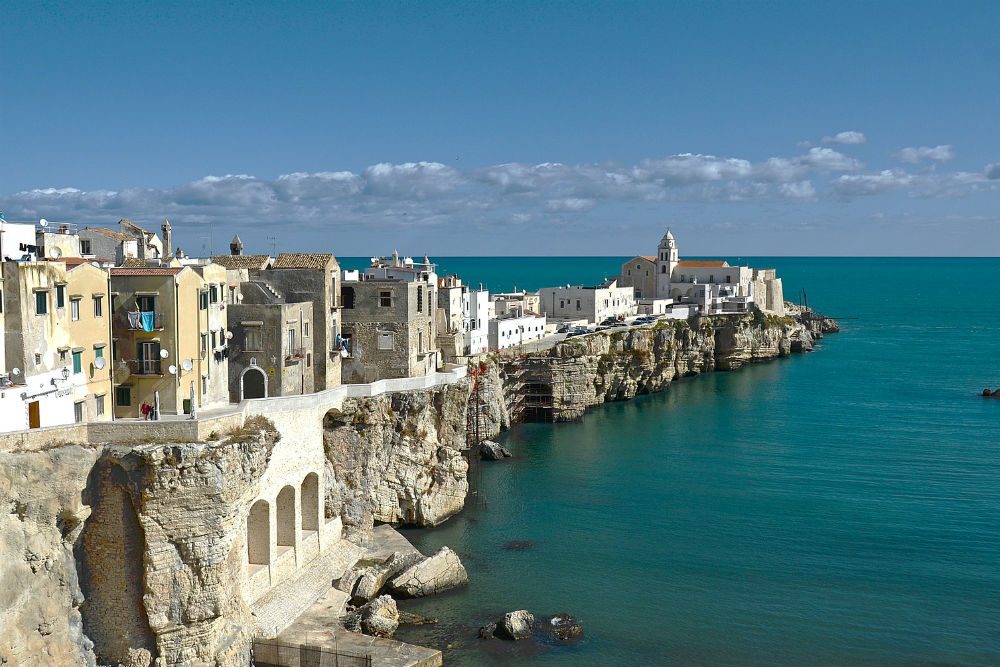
[
  {"x": 595, "y": 304},
  {"x": 513, "y": 329}
]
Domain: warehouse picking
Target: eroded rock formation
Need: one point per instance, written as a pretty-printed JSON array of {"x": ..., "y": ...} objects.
[{"x": 396, "y": 458}]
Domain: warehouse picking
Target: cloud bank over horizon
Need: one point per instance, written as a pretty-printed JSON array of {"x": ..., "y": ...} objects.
[{"x": 435, "y": 196}]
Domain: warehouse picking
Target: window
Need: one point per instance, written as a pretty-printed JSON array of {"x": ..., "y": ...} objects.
[
  {"x": 203, "y": 300},
  {"x": 41, "y": 302},
  {"x": 213, "y": 291},
  {"x": 305, "y": 329},
  {"x": 77, "y": 361},
  {"x": 232, "y": 295},
  {"x": 347, "y": 344},
  {"x": 38, "y": 359},
  {"x": 149, "y": 358},
  {"x": 146, "y": 304},
  {"x": 99, "y": 400},
  {"x": 62, "y": 355},
  {"x": 385, "y": 340},
  {"x": 74, "y": 309},
  {"x": 420, "y": 341},
  {"x": 60, "y": 296},
  {"x": 98, "y": 306},
  {"x": 78, "y": 412},
  {"x": 204, "y": 385},
  {"x": 420, "y": 299},
  {"x": 663, "y": 269},
  {"x": 348, "y": 297},
  {"x": 214, "y": 339},
  {"x": 291, "y": 341},
  {"x": 123, "y": 395},
  {"x": 253, "y": 340},
  {"x": 99, "y": 352},
  {"x": 204, "y": 345},
  {"x": 385, "y": 299},
  {"x": 114, "y": 302},
  {"x": 85, "y": 249},
  {"x": 578, "y": 304}
]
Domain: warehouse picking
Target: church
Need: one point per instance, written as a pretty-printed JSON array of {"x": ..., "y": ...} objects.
[{"x": 713, "y": 285}]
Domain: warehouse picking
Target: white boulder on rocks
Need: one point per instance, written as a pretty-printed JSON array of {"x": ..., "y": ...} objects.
[{"x": 440, "y": 572}]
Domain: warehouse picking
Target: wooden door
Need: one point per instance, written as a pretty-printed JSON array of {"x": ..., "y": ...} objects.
[{"x": 34, "y": 416}]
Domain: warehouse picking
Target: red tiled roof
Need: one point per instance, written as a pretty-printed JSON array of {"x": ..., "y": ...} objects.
[
  {"x": 702, "y": 263},
  {"x": 147, "y": 271}
]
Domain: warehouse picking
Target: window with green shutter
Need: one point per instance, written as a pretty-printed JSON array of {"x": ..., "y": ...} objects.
[
  {"x": 41, "y": 303},
  {"x": 78, "y": 362}
]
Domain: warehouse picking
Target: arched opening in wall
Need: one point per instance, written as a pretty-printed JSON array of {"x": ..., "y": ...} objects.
[
  {"x": 310, "y": 502},
  {"x": 259, "y": 536},
  {"x": 110, "y": 556},
  {"x": 286, "y": 519},
  {"x": 253, "y": 384}
]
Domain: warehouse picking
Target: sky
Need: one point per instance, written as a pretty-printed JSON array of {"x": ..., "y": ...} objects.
[{"x": 513, "y": 128}]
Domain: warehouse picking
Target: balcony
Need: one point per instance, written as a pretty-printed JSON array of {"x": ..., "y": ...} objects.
[
  {"x": 296, "y": 353},
  {"x": 145, "y": 366}
]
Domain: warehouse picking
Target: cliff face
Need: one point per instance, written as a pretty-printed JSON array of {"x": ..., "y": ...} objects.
[
  {"x": 40, "y": 596},
  {"x": 396, "y": 458},
  {"x": 562, "y": 382},
  {"x": 160, "y": 555}
]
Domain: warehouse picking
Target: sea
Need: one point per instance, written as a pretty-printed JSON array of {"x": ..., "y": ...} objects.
[{"x": 834, "y": 508}]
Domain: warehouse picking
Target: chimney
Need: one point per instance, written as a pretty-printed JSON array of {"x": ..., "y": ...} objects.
[{"x": 165, "y": 228}]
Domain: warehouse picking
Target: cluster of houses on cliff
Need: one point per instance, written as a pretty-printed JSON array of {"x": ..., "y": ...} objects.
[{"x": 102, "y": 324}]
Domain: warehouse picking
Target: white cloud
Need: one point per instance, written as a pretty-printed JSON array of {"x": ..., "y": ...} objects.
[
  {"x": 800, "y": 190},
  {"x": 569, "y": 204},
  {"x": 856, "y": 185},
  {"x": 846, "y": 137},
  {"x": 915, "y": 155},
  {"x": 992, "y": 171}
]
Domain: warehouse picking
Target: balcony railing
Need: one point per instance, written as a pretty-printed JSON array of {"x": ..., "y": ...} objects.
[
  {"x": 136, "y": 321},
  {"x": 146, "y": 366}
]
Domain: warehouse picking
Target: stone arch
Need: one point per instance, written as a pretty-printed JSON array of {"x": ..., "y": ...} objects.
[
  {"x": 310, "y": 502},
  {"x": 285, "y": 519},
  {"x": 253, "y": 383},
  {"x": 259, "y": 533}
]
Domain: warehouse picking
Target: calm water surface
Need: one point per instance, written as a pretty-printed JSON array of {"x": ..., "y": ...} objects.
[{"x": 836, "y": 508}]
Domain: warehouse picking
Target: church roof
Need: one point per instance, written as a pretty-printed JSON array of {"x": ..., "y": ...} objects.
[{"x": 703, "y": 263}]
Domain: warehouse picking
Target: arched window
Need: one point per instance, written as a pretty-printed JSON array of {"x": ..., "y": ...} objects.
[
  {"x": 259, "y": 534},
  {"x": 663, "y": 269},
  {"x": 310, "y": 502},
  {"x": 286, "y": 517}
]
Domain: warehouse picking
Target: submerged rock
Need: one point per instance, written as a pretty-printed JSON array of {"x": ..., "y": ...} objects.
[
  {"x": 493, "y": 451},
  {"x": 516, "y": 625},
  {"x": 518, "y": 545},
  {"x": 563, "y": 627},
  {"x": 409, "y": 618},
  {"x": 440, "y": 572},
  {"x": 488, "y": 631}
]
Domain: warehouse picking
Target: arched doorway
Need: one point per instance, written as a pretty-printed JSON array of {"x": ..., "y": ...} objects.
[
  {"x": 253, "y": 383},
  {"x": 259, "y": 534},
  {"x": 286, "y": 517},
  {"x": 310, "y": 502}
]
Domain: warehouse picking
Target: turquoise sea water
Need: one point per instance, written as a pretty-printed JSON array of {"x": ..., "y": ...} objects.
[{"x": 835, "y": 508}]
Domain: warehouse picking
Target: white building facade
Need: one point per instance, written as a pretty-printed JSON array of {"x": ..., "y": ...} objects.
[
  {"x": 595, "y": 304},
  {"x": 515, "y": 329}
]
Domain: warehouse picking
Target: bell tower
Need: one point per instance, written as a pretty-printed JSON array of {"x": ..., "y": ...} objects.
[
  {"x": 236, "y": 246},
  {"x": 666, "y": 261}
]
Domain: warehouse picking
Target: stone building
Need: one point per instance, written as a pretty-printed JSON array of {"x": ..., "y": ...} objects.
[
  {"x": 167, "y": 323},
  {"x": 683, "y": 280},
  {"x": 389, "y": 329},
  {"x": 311, "y": 278},
  {"x": 104, "y": 243},
  {"x": 462, "y": 319},
  {"x": 55, "y": 367},
  {"x": 595, "y": 303}
]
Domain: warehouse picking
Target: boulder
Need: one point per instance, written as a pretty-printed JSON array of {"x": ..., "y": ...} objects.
[
  {"x": 372, "y": 579},
  {"x": 996, "y": 393},
  {"x": 516, "y": 625},
  {"x": 379, "y": 618},
  {"x": 493, "y": 451},
  {"x": 138, "y": 657},
  {"x": 438, "y": 573},
  {"x": 349, "y": 581},
  {"x": 987, "y": 392},
  {"x": 488, "y": 631}
]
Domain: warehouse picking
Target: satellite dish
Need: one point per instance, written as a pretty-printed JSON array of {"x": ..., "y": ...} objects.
[
  {"x": 164, "y": 354},
  {"x": 56, "y": 253},
  {"x": 43, "y": 222},
  {"x": 172, "y": 369},
  {"x": 187, "y": 365},
  {"x": 343, "y": 353},
  {"x": 15, "y": 371},
  {"x": 229, "y": 335},
  {"x": 100, "y": 363}
]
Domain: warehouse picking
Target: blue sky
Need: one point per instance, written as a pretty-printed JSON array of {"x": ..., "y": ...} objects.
[{"x": 850, "y": 128}]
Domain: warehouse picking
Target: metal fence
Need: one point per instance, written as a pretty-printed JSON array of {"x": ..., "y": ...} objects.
[{"x": 275, "y": 654}]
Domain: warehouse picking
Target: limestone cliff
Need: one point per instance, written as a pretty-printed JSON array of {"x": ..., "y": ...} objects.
[
  {"x": 396, "y": 458},
  {"x": 40, "y": 596},
  {"x": 617, "y": 364}
]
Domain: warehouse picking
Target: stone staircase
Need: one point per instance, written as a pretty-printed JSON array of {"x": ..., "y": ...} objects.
[{"x": 285, "y": 602}]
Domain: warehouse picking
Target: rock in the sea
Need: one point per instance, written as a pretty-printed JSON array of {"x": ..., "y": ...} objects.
[
  {"x": 438, "y": 573},
  {"x": 488, "y": 631},
  {"x": 987, "y": 392},
  {"x": 516, "y": 625},
  {"x": 372, "y": 579},
  {"x": 379, "y": 618},
  {"x": 563, "y": 627},
  {"x": 409, "y": 618},
  {"x": 493, "y": 451}
]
